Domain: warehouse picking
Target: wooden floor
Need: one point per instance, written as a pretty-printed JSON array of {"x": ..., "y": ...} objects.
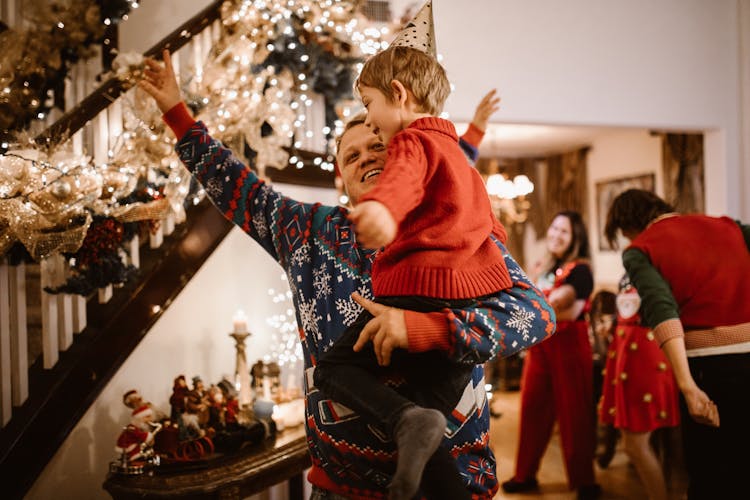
[{"x": 618, "y": 481}]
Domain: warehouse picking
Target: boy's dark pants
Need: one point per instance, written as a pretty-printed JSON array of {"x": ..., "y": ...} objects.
[{"x": 433, "y": 381}]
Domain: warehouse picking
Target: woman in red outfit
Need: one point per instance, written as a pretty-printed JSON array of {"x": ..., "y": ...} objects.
[
  {"x": 639, "y": 394},
  {"x": 557, "y": 374}
]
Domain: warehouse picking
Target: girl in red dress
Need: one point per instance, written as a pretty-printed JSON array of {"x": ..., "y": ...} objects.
[{"x": 639, "y": 394}]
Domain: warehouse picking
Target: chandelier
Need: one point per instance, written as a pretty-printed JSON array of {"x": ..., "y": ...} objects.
[{"x": 508, "y": 197}]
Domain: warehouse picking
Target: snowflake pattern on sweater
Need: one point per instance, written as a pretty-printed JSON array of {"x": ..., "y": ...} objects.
[{"x": 316, "y": 247}]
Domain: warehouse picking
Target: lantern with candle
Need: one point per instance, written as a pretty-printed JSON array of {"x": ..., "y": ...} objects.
[{"x": 266, "y": 380}]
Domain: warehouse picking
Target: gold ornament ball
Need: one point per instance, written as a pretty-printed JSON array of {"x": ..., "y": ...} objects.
[
  {"x": 61, "y": 190},
  {"x": 16, "y": 167}
]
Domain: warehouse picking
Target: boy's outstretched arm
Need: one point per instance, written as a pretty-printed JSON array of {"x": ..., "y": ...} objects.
[
  {"x": 489, "y": 104},
  {"x": 473, "y": 136}
]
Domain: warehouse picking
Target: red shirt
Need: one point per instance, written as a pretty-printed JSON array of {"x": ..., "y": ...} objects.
[{"x": 443, "y": 247}]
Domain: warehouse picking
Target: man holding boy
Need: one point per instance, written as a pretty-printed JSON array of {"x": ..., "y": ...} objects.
[
  {"x": 325, "y": 265},
  {"x": 442, "y": 250}
]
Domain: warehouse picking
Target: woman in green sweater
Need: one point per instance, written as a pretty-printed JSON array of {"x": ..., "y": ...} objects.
[{"x": 692, "y": 273}]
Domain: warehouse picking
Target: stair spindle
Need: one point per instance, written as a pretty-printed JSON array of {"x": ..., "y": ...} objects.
[
  {"x": 134, "y": 247},
  {"x": 19, "y": 347},
  {"x": 156, "y": 237},
  {"x": 6, "y": 406},
  {"x": 168, "y": 223},
  {"x": 64, "y": 306},
  {"x": 79, "y": 313},
  {"x": 50, "y": 325}
]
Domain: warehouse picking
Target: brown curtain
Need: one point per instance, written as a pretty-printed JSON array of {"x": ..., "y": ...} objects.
[
  {"x": 682, "y": 164},
  {"x": 562, "y": 188},
  {"x": 516, "y": 232},
  {"x": 512, "y": 167},
  {"x": 566, "y": 185}
]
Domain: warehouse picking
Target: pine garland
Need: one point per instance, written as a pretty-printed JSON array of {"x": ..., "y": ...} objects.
[{"x": 35, "y": 60}]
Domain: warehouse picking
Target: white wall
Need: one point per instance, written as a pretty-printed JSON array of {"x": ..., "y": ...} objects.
[
  {"x": 744, "y": 58},
  {"x": 190, "y": 338},
  {"x": 671, "y": 64},
  {"x": 152, "y": 21}
]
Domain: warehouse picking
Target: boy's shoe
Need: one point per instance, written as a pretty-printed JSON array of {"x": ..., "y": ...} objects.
[{"x": 514, "y": 486}]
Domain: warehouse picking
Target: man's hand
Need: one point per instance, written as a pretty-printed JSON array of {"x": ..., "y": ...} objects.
[
  {"x": 387, "y": 329},
  {"x": 701, "y": 408},
  {"x": 373, "y": 224},
  {"x": 161, "y": 83},
  {"x": 486, "y": 107}
]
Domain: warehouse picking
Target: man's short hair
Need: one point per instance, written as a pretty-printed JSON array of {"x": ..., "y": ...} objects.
[
  {"x": 420, "y": 73},
  {"x": 358, "y": 119}
]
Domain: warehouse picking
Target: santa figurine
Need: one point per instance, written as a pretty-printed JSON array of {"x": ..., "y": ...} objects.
[
  {"x": 133, "y": 400},
  {"x": 135, "y": 443}
]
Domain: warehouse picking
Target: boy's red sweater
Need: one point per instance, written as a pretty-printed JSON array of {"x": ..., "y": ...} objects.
[{"x": 443, "y": 247}]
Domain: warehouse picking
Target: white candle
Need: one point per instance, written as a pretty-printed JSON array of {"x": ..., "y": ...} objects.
[{"x": 240, "y": 322}]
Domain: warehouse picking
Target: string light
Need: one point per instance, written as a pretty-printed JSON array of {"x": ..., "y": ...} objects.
[
  {"x": 285, "y": 347},
  {"x": 237, "y": 107}
]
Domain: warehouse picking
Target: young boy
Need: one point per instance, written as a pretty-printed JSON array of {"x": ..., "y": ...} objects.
[{"x": 431, "y": 211}]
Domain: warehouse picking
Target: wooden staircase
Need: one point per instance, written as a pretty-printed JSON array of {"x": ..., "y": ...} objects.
[
  {"x": 59, "y": 396},
  {"x": 51, "y": 377}
]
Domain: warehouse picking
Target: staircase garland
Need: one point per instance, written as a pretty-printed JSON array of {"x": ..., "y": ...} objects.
[{"x": 251, "y": 90}]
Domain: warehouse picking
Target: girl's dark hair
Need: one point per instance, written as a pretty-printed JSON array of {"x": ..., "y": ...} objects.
[
  {"x": 604, "y": 302},
  {"x": 579, "y": 243},
  {"x": 633, "y": 210}
]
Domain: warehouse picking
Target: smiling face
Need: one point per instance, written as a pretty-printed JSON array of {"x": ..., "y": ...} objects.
[
  {"x": 360, "y": 158},
  {"x": 384, "y": 115},
  {"x": 559, "y": 236}
]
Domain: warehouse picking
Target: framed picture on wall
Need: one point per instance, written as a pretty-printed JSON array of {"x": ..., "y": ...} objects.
[{"x": 607, "y": 191}]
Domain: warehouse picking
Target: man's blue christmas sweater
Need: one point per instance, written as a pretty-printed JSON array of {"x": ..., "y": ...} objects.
[{"x": 316, "y": 247}]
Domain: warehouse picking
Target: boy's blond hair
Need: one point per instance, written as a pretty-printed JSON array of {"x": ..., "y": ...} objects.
[{"x": 420, "y": 73}]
